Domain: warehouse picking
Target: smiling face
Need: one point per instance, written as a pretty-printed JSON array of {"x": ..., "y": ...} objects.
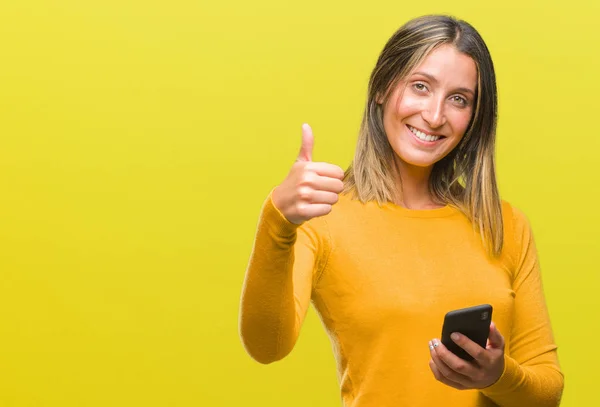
[{"x": 428, "y": 112}]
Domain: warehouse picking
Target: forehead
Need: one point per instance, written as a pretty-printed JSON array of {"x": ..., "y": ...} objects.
[{"x": 450, "y": 67}]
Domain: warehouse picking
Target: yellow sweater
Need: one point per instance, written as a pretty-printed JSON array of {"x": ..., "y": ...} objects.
[{"x": 381, "y": 279}]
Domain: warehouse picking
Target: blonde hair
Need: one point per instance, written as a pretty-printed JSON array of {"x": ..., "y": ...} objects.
[{"x": 466, "y": 177}]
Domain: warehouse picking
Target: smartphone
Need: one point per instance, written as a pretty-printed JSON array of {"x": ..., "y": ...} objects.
[{"x": 473, "y": 322}]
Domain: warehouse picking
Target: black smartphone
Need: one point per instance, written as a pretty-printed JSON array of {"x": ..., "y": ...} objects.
[{"x": 473, "y": 322}]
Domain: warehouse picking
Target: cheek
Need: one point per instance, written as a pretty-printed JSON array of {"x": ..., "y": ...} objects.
[
  {"x": 460, "y": 122},
  {"x": 408, "y": 106}
]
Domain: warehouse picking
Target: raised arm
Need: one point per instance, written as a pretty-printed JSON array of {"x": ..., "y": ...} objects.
[{"x": 290, "y": 247}]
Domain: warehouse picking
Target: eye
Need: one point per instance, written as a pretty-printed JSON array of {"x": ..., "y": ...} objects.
[
  {"x": 420, "y": 87},
  {"x": 460, "y": 100}
]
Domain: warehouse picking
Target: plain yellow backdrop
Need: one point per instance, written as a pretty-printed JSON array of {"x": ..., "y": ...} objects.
[{"x": 138, "y": 140}]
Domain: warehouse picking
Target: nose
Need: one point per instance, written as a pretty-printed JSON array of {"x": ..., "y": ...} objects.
[{"x": 433, "y": 112}]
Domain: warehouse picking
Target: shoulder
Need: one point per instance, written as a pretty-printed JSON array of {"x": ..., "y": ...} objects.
[
  {"x": 515, "y": 220},
  {"x": 518, "y": 235}
]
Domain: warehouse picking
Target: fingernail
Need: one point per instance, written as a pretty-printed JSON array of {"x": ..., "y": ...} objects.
[
  {"x": 455, "y": 336},
  {"x": 435, "y": 343},
  {"x": 430, "y": 346}
]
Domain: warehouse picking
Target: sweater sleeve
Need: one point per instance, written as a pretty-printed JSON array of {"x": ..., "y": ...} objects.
[
  {"x": 278, "y": 283},
  {"x": 532, "y": 376}
]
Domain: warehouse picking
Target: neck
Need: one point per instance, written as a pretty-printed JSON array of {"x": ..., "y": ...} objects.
[{"x": 414, "y": 187}]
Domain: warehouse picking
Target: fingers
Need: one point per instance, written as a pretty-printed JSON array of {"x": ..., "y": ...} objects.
[
  {"x": 496, "y": 340},
  {"x": 328, "y": 184},
  {"x": 310, "y": 189},
  {"x": 470, "y": 347},
  {"x": 305, "y": 155},
  {"x": 309, "y": 211},
  {"x": 307, "y": 144},
  {"x": 318, "y": 182},
  {"x": 326, "y": 170},
  {"x": 310, "y": 195},
  {"x": 441, "y": 378},
  {"x": 449, "y": 365},
  {"x": 461, "y": 374}
]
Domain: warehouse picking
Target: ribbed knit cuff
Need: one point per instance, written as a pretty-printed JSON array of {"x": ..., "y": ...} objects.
[
  {"x": 273, "y": 219},
  {"x": 510, "y": 378}
]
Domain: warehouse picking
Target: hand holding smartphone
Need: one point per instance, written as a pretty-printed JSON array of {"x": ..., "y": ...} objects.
[{"x": 473, "y": 322}]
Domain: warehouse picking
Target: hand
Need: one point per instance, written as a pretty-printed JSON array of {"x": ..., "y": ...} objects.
[
  {"x": 311, "y": 188},
  {"x": 460, "y": 374}
]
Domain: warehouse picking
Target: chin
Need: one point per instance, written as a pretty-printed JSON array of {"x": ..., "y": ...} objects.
[{"x": 417, "y": 161}]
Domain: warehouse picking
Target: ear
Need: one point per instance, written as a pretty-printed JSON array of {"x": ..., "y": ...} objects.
[{"x": 379, "y": 98}]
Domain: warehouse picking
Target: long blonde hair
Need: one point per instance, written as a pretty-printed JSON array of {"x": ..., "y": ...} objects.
[{"x": 466, "y": 177}]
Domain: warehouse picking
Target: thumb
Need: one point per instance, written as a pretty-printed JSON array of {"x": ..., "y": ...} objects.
[
  {"x": 496, "y": 340},
  {"x": 307, "y": 144}
]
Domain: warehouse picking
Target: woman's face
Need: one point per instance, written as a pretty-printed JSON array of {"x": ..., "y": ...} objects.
[{"x": 428, "y": 113}]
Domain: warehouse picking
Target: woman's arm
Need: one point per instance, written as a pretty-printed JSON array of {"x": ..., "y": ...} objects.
[
  {"x": 278, "y": 283},
  {"x": 532, "y": 376}
]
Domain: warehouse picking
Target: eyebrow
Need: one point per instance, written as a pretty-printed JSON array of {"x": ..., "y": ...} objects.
[{"x": 433, "y": 79}]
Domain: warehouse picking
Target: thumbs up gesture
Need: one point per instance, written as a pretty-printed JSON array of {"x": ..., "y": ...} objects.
[{"x": 311, "y": 188}]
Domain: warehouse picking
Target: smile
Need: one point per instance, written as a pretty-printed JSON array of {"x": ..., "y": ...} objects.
[{"x": 423, "y": 136}]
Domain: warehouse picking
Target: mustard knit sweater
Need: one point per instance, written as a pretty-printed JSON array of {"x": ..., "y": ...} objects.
[{"x": 381, "y": 279}]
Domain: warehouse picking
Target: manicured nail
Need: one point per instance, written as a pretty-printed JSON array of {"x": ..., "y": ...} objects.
[
  {"x": 435, "y": 343},
  {"x": 455, "y": 336},
  {"x": 430, "y": 346}
]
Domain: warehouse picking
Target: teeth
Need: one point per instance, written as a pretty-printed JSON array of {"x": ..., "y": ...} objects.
[{"x": 422, "y": 135}]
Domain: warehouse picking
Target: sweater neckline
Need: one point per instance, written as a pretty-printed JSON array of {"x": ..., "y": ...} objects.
[{"x": 441, "y": 212}]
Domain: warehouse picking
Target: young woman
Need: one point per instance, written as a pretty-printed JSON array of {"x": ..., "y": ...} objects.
[{"x": 414, "y": 228}]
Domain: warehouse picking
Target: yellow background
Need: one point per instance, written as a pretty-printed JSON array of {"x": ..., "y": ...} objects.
[{"x": 139, "y": 138}]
